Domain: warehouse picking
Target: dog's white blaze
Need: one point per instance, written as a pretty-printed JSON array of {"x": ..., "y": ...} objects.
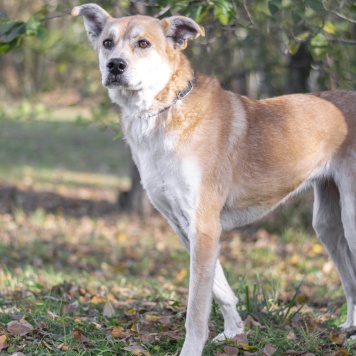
[{"x": 145, "y": 79}]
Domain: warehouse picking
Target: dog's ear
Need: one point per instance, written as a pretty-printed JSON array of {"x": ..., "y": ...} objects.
[
  {"x": 94, "y": 20},
  {"x": 181, "y": 29}
]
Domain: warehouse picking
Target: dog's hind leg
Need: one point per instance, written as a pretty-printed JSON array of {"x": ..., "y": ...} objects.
[
  {"x": 227, "y": 301},
  {"x": 328, "y": 220}
]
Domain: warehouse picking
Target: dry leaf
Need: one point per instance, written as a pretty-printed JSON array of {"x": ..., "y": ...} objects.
[
  {"x": 291, "y": 336},
  {"x": 151, "y": 338},
  {"x": 247, "y": 347},
  {"x": 180, "y": 276},
  {"x": 97, "y": 300},
  {"x": 250, "y": 321},
  {"x": 151, "y": 318},
  {"x": 3, "y": 344},
  {"x": 53, "y": 315},
  {"x": 294, "y": 352},
  {"x": 44, "y": 343},
  {"x": 240, "y": 339},
  {"x": 79, "y": 335},
  {"x": 131, "y": 312},
  {"x": 70, "y": 308},
  {"x": 19, "y": 328},
  {"x": 233, "y": 351},
  {"x": 18, "y": 354},
  {"x": 336, "y": 338},
  {"x": 118, "y": 332},
  {"x": 317, "y": 249},
  {"x": 301, "y": 299},
  {"x": 41, "y": 325},
  {"x": 135, "y": 349},
  {"x": 269, "y": 350},
  {"x": 63, "y": 347},
  {"x": 134, "y": 328},
  {"x": 343, "y": 351},
  {"x": 108, "y": 309},
  {"x": 165, "y": 320}
]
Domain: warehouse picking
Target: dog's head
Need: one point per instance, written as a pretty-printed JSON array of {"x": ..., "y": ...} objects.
[{"x": 136, "y": 53}]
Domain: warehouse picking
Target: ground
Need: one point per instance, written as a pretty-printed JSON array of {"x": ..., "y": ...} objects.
[{"x": 77, "y": 277}]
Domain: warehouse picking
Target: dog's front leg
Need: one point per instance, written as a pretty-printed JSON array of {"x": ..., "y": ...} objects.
[{"x": 204, "y": 251}]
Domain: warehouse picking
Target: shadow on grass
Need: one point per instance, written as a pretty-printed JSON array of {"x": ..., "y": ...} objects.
[{"x": 13, "y": 198}]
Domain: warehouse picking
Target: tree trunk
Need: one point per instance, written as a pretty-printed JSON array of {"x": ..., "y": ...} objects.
[
  {"x": 135, "y": 201},
  {"x": 299, "y": 70}
]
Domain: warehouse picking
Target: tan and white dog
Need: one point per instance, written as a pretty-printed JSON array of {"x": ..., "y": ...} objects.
[{"x": 212, "y": 160}]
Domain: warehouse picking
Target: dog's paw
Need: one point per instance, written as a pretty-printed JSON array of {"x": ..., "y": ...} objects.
[
  {"x": 344, "y": 325},
  {"x": 227, "y": 335}
]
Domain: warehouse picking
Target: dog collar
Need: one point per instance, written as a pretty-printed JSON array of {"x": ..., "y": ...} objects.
[{"x": 179, "y": 96}]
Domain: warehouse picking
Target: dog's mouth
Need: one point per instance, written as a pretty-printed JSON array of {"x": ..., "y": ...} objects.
[{"x": 115, "y": 80}]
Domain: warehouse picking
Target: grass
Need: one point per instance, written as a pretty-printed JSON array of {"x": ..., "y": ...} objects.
[{"x": 92, "y": 281}]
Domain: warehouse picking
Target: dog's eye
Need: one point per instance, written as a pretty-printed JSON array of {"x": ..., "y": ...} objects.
[
  {"x": 108, "y": 43},
  {"x": 143, "y": 44}
]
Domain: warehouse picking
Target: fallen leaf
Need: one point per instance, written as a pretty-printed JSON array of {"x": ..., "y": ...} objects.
[
  {"x": 247, "y": 347},
  {"x": 165, "y": 320},
  {"x": 250, "y": 321},
  {"x": 343, "y": 351},
  {"x": 97, "y": 300},
  {"x": 150, "y": 338},
  {"x": 180, "y": 276},
  {"x": 70, "y": 308},
  {"x": 317, "y": 248},
  {"x": 269, "y": 350},
  {"x": 41, "y": 326},
  {"x": 63, "y": 347},
  {"x": 151, "y": 318},
  {"x": 291, "y": 335},
  {"x": 131, "y": 312},
  {"x": 79, "y": 335},
  {"x": 134, "y": 328},
  {"x": 18, "y": 354},
  {"x": 135, "y": 349},
  {"x": 233, "y": 351},
  {"x": 294, "y": 352},
  {"x": 109, "y": 310},
  {"x": 19, "y": 328},
  {"x": 95, "y": 325},
  {"x": 53, "y": 315},
  {"x": 44, "y": 343},
  {"x": 335, "y": 338},
  {"x": 3, "y": 344},
  {"x": 240, "y": 339},
  {"x": 118, "y": 332},
  {"x": 301, "y": 299}
]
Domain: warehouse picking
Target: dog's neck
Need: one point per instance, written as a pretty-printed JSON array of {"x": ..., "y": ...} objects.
[{"x": 153, "y": 101}]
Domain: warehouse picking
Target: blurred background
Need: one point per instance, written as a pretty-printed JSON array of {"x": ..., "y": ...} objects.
[
  {"x": 71, "y": 206},
  {"x": 259, "y": 48}
]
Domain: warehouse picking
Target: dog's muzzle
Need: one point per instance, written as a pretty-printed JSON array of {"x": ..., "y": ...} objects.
[{"x": 116, "y": 67}]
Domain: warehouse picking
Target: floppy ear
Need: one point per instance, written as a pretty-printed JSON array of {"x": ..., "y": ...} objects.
[
  {"x": 181, "y": 29},
  {"x": 94, "y": 20}
]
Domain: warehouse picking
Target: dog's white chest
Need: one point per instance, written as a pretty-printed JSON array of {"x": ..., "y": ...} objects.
[{"x": 172, "y": 183}]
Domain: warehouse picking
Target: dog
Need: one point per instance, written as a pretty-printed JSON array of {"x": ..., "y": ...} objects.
[{"x": 211, "y": 160}]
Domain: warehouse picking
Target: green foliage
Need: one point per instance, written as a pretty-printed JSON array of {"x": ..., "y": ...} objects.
[
  {"x": 12, "y": 33},
  {"x": 243, "y": 39}
]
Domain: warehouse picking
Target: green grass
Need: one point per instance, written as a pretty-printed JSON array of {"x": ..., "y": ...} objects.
[{"x": 64, "y": 271}]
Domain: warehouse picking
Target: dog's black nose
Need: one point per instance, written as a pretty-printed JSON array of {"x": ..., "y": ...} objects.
[{"x": 116, "y": 66}]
